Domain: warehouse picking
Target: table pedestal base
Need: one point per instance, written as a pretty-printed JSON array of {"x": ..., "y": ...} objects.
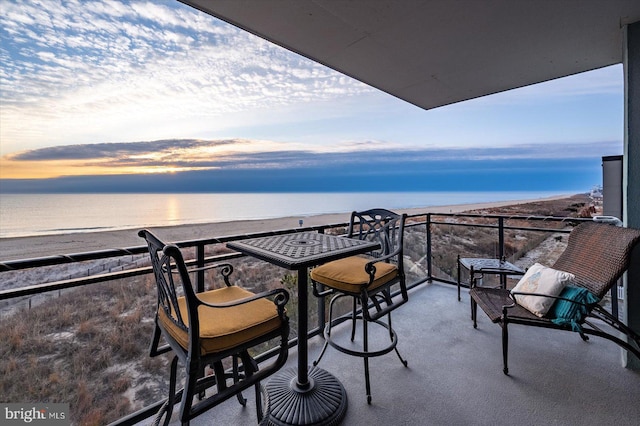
[{"x": 324, "y": 402}]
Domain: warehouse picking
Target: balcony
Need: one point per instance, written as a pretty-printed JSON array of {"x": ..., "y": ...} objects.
[
  {"x": 455, "y": 371},
  {"x": 455, "y": 374}
]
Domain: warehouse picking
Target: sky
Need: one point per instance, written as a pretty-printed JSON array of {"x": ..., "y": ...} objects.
[{"x": 107, "y": 93}]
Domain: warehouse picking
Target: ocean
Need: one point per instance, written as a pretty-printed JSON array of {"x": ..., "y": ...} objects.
[{"x": 48, "y": 214}]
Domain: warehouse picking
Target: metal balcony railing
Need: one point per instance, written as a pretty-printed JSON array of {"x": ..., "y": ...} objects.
[{"x": 432, "y": 243}]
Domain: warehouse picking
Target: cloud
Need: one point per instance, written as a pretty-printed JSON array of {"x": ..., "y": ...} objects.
[
  {"x": 86, "y": 73},
  {"x": 74, "y": 69},
  {"x": 111, "y": 150},
  {"x": 241, "y": 154}
]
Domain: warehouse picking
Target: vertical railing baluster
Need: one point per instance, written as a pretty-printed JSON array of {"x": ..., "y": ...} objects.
[
  {"x": 614, "y": 300},
  {"x": 200, "y": 263},
  {"x": 429, "y": 265},
  {"x": 321, "y": 302},
  {"x": 500, "y": 237}
]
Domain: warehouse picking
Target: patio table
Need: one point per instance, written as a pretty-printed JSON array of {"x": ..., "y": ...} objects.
[
  {"x": 299, "y": 396},
  {"x": 481, "y": 266}
]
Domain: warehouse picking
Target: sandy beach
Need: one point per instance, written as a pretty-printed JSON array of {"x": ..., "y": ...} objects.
[{"x": 50, "y": 245}]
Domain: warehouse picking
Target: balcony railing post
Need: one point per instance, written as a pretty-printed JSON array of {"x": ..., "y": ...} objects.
[
  {"x": 200, "y": 263},
  {"x": 500, "y": 237},
  {"x": 428, "y": 225},
  {"x": 321, "y": 303}
]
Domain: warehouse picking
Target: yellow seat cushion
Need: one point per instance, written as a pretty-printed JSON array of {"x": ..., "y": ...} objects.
[
  {"x": 349, "y": 275},
  {"x": 224, "y": 328}
]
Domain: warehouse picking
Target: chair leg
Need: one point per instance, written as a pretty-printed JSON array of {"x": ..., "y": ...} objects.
[
  {"x": 472, "y": 284},
  {"x": 203, "y": 373},
  {"x": 167, "y": 408},
  {"x": 327, "y": 330},
  {"x": 402, "y": 360},
  {"x": 324, "y": 348},
  {"x": 353, "y": 319},
  {"x": 365, "y": 344},
  {"x": 391, "y": 332},
  {"x": 259, "y": 413},
  {"x": 189, "y": 391},
  {"x": 172, "y": 387},
  {"x": 474, "y": 312},
  {"x": 251, "y": 367},
  {"x": 218, "y": 370},
  {"x": 236, "y": 378},
  {"x": 505, "y": 347}
]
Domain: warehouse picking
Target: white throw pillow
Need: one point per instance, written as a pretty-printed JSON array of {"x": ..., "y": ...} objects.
[{"x": 542, "y": 280}]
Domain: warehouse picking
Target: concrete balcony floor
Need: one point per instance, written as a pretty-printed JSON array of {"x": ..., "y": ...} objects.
[{"x": 455, "y": 374}]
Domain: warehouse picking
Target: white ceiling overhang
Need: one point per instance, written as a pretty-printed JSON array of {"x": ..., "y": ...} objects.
[{"x": 437, "y": 52}]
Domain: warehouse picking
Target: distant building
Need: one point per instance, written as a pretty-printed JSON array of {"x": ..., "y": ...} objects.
[{"x": 596, "y": 193}]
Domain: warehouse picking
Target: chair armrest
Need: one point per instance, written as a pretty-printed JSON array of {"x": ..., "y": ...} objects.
[
  {"x": 393, "y": 254},
  {"x": 370, "y": 267},
  {"x": 214, "y": 266},
  {"x": 505, "y": 308},
  {"x": 226, "y": 269},
  {"x": 523, "y": 293},
  {"x": 281, "y": 297},
  {"x": 203, "y": 268}
]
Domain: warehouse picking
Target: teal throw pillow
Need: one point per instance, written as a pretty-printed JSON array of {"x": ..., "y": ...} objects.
[{"x": 572, "y": 311}]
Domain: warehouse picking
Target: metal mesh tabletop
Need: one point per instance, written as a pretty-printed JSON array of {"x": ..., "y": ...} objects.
[
  {"x": 490, "y": 265},
  {"x": 480, "y": 266},
  {"x": 303, "y": 249}
]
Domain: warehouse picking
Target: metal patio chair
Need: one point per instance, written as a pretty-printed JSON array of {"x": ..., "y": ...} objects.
[
  {"x": 215, "y": 328},
  {"x": 369, "y": 281},
  {"x": 597, "y": 255}
]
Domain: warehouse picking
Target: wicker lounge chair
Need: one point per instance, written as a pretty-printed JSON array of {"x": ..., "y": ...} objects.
[{"x": 597, "y": 255}]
